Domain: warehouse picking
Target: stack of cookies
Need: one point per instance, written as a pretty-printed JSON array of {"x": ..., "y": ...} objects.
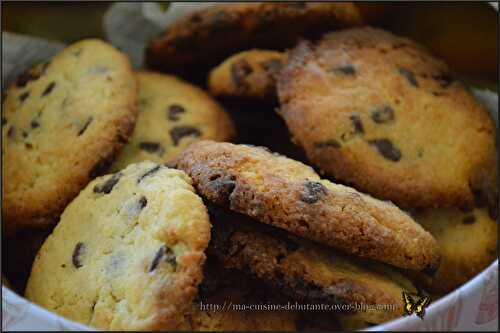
[{"x": 151, "y": 219}]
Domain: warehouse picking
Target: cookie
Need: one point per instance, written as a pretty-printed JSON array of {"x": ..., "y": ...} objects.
[
  {"x": 208, "y": 36},
  {"x": 127, "y": 253},
  {"x": 172, "y": 114},
  {"x": 307, "y": 272},
  {"x": 223, "y": 290},
  {"x": 379, "y": 112},
  {"x": 468, "y": 242},
  {"x": 248, "y": 74},
  {"x": 62, "y": 124},
  {"x": 288, "y": 194}
]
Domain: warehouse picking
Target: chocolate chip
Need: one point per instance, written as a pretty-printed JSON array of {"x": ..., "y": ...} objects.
[
  {"x": 149, "y": 173},
  {"x": 430, "y": 269},
  {"x": 4, "y": 121},
  {"x": 471, "y": 219},
  {"x": 312, "y": 293},
  {"x": 143, "y": 202},
  {"x": 102, "y": 165},
  {"x": 23, "y": 96},
  {"x": 223, "y": 187},
  {"x": 313, "y": 192},
  {"x": 77, "y": 254},
  {"x": 85, "y": 126},
  {"x": 239, "y": 71},
  {"x": 25, "y": 134},
  {"x": 272, "y": 67},
  {"x": 346, "y": 69},
  {"x": 386, "y": 149},
  {"x": 174, "y": 110},
  {"x": 357, "y": 123},
  {"x": 444, "y": 79},
  {"x": 34, "y": 123},
  {"x": 409, "y": 76},
  {"x": 383, "y": 115},
  {"x": 328, "y": 144},
  {"x": 49, "y": 89},
  {"x": 177, "y": 133},
  {"x": 11, "y": 132},
  {"x": 108, "y": 185},
  {"x": 150, "y": 147},
  {"x": 165, "y": 254}
]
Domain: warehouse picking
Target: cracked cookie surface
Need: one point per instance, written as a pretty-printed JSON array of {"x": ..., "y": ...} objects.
[
  {"x": 307, "y": 272},
  {"x": 287, "y": 194},
  {"x": 127, "y": 253},
  {"x": 248, "y": 74},
  {"x": 379, "y": 112},
  {"x": 172, "y": 114},
  {"x": 62, "y": 124}
]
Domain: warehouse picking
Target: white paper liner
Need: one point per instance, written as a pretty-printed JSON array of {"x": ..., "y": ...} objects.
[{"x": 129, "y": 26}]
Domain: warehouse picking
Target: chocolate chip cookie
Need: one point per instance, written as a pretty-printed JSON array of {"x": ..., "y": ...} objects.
[
  {"x": 172, "y": 114},
  {"x": 222, "y": 291},
  {"x": 62, "y": 124},
  {"x": 468, "y": 242},
  {"x": 288, "y": 194},
  {"x": 127, "y": 253},
  {"x": 208, "y": 36},
  {"x": 380, "y": 112},
  {"x": 307, "y": 272},
  {"x": 248, "y": 74}
]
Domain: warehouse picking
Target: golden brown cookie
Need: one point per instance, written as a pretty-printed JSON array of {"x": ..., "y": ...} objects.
[
  {"x": 289, "y": 195},
  {"x": 379, "y": 112},
  {"x": 208, "y": 36},
  {"x": 248, "y": 74},
  {"x": 468, "y": 242},
  {"x": 63, "y": 122},
  {"x": 308, "y": 272},
  {"x": 172, "y": 114},
  {"x": 127, "y": 253}
]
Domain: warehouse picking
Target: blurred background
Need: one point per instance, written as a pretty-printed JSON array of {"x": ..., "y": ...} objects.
[{"x": 463, "y": 34}]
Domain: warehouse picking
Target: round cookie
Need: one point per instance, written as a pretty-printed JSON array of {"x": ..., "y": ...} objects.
[
  {"x": 127, "y": 253},
  {"x": 468, "y": 242},
  {"x": 62, "y": 124},
  {"x": 307, "y": 272},
  {"x": 248, "y": 74},
  {"x": 288, "y": 194},
  {"x": 380, "y": 112},
  {"x": 172, "y": 114},
  {"x": 208, "y": 36}
]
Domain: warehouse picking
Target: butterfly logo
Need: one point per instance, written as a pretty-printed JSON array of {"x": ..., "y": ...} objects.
[{"x": 418, "y": 307}]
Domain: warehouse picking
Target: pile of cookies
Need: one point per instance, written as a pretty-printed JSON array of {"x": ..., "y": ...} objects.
[{"x": 144, "y": 216}]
